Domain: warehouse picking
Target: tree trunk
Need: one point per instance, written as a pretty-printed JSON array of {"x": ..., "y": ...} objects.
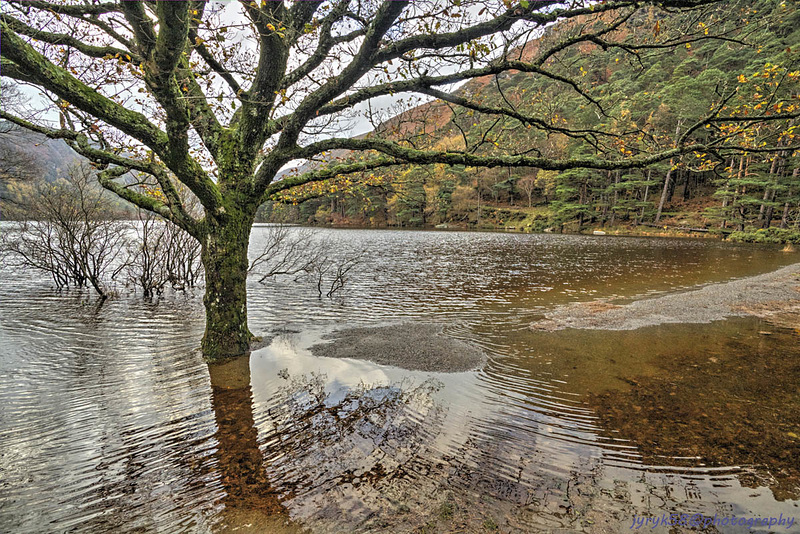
[
  {"x": 770, "y": 212},
  {"x": 478, "y": 221},
  {"x": 224, "y": 256},
  {"x": 762, "y": 211},
  {"x": 687, "y": 182},
  {"x": 616, "y": 199},
  {"x": 744, "y": 166},
  {"x": 785, "y": 218},
  {"x": 724, "y": 223},
  {"x": 644, "y": 200},
  {"x": 604, "y": 200},
  {"x": 664, "y": 193}
]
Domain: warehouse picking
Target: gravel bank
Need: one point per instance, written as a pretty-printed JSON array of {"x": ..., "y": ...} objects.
[
  {"x": 773, "y": 296},
  {"x": 417, "y": 347}
]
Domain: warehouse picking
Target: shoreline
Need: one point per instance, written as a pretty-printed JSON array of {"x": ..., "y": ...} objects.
[
  {"x": 773, "y": 296},
  {"x": 616, "y": 231}
]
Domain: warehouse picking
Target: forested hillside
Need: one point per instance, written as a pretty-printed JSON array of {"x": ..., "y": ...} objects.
[
  {"x": 27, "y": 156},
  {"x": 646, "y": 98},
  {"x": 28, "y": 162}
]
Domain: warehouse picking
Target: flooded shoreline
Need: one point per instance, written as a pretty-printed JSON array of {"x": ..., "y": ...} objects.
[
  {"x": 772, "y": 296},
  {"x": 111, "y": 420},
  {"x": 733, "y": 403}
]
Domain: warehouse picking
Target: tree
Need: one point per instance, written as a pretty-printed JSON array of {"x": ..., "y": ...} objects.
[
  {"x": 16, "y": 167},
  {"x": 571, "y": 195},
  {"x": 177, "y": 91},
  {"x": 161, "y": 254},
  {"x": 527, "y": 184},
  {"x": 68, "y": 231}
]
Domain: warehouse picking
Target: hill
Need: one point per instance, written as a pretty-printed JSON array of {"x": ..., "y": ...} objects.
[
  {"x": 49, "y": 157},
  {"x": 29, "y": 159},
  {"x": 654, "y": 94}
]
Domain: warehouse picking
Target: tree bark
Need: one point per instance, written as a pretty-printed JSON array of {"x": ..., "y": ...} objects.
[
  {"x": 224, "y": 258},
  {"x": 724, "y": 223},
  {"x": 785, "y": 217},
  {"x": 644, "y": 200},
  {"x": 664, "y": 193},
  {"x": 686, "y": 185},
  {"x": 616, "y": 199},
  {"x": 763, "y": 208},
  {"x": 763, "y": 213},
  {"x": 770, "y": 212}
]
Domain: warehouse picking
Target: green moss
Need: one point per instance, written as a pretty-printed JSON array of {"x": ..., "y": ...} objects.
[
  {"x": 767, "y": 235},
  {"x": 224, "y": 258},
  {"x": 490, "y": 525},
  {"x": 447, "y": 510}
]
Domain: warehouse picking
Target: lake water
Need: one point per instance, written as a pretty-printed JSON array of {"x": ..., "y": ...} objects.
[{"x": 110, "y": 420}]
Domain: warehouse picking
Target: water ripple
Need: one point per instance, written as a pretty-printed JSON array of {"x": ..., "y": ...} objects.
[{"x": 110, "y": 420}]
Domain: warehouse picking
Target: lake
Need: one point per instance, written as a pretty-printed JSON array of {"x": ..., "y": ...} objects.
[{"x": 111, "y": 421}]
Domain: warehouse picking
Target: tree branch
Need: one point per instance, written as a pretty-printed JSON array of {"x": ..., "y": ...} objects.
[
  {"x": 106, "y": 179},
  {"x": 75, "y": 10},
  {"x": 63, "y": 84},
  {"x": 273, "y": 56},
  {"x": 70, "y": 41},
  {"x": 324, "y": 45},
  {"x": 363, "y": 61},
  {"x": 330, "y": 171},
  {"x": 79, "y": 142},
  {"x": 410, "y": 155}
]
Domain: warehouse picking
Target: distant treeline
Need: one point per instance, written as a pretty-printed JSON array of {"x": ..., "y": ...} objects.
[{"x": 660, "y": 95}]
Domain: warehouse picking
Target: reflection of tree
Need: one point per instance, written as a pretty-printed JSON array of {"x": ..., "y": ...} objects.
[
  {"x": 358, "y": 435},
  {"x": 240, "y": 461},
  {"x": 315, "y": 440}
]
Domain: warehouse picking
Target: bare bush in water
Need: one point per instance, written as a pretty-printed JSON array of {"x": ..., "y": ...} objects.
[
  {"x": 69, "y": 231},
  {"x": 161, "y": 255},
  {"x": 299, "y": 253}
]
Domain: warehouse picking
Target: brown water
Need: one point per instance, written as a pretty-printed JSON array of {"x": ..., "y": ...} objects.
[{"x": 110, "y": 420}]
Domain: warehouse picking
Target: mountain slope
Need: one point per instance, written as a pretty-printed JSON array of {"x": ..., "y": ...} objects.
[{"x": 656, "y": 93}]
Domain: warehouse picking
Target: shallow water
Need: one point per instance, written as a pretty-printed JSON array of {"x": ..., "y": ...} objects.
[{"x": 110, "y": 420}]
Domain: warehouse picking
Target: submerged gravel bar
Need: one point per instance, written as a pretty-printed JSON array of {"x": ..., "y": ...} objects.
[
  {"x": 412, "y": 346},
  {"x": 773, "y": 296}
]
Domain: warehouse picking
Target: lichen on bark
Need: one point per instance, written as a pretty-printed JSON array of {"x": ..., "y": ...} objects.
[{"x": 225, "y": 242}]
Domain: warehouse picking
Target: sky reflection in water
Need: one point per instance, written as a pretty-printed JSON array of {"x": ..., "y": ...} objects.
[{"x": 109, "y": 419}]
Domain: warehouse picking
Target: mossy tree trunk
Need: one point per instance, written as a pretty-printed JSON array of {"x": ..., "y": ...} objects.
[{"x": 224, "y": 257}]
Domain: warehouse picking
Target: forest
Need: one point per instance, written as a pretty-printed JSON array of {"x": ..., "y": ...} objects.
[{"x": 658, "y": 94}]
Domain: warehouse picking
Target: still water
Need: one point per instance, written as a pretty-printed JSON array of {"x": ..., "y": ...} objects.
[{"x": 110, "y": 420}]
